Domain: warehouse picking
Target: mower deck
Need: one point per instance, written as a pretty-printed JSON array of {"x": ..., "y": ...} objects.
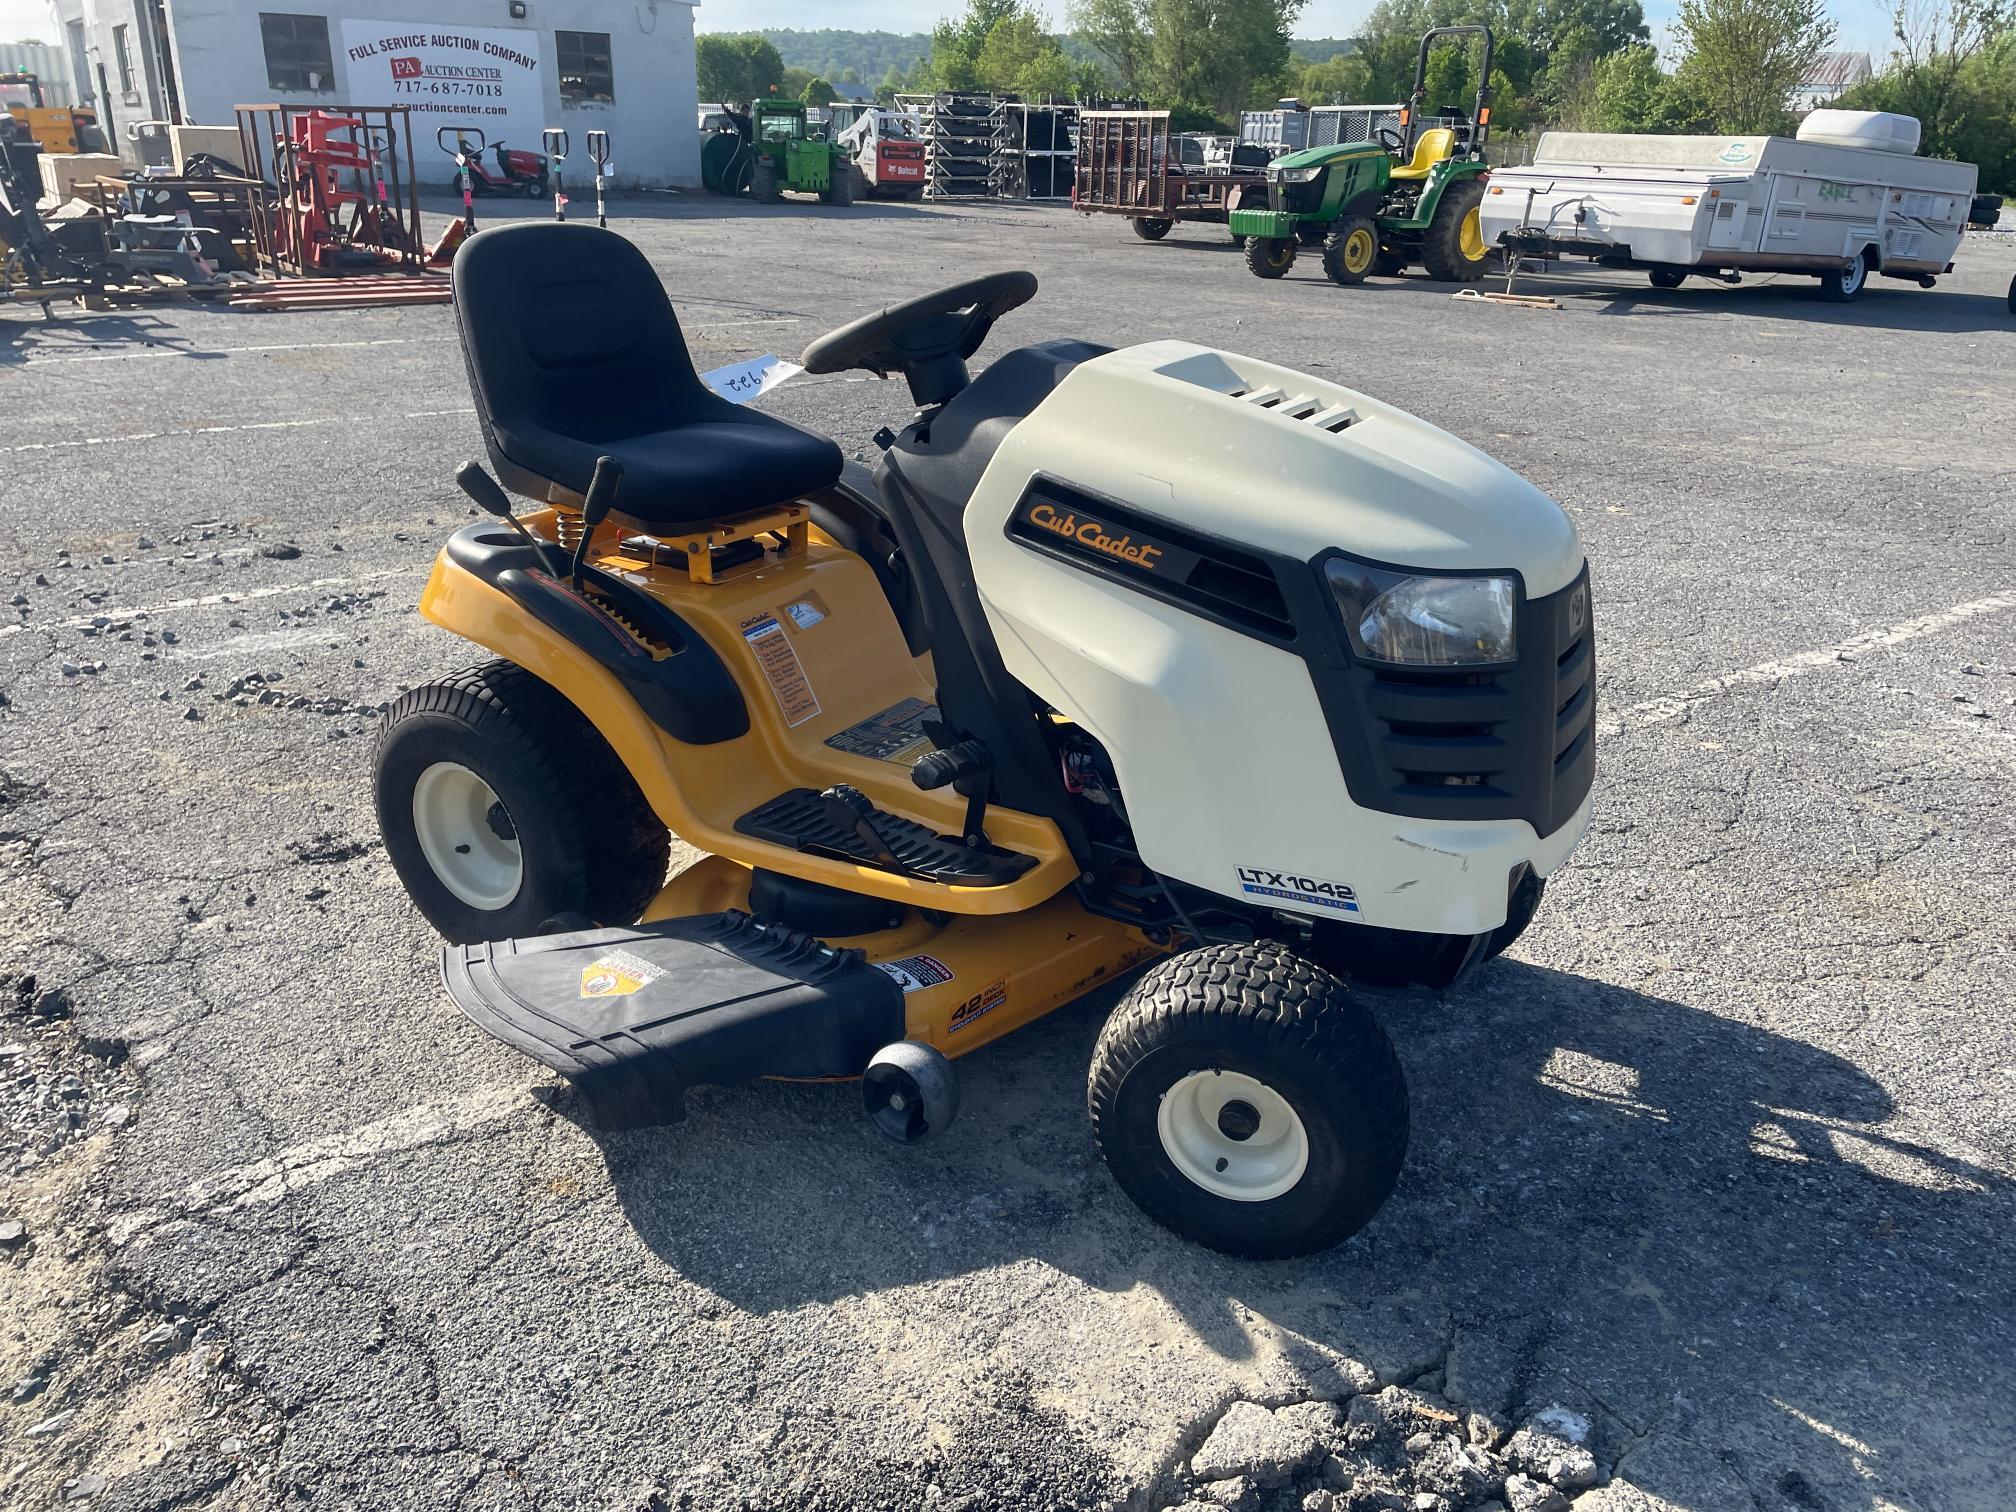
[{"x": 632, "y": 1017}]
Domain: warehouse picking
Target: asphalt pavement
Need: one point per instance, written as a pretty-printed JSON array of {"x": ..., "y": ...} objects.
[{"x": 1720, "y": 1159}]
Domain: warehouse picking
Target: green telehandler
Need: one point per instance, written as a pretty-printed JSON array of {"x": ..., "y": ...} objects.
[
  {"x": 1407, "y": 196},
  {"x": 789, "y": 156}
]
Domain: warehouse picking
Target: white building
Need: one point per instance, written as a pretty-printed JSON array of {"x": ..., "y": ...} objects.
[
  {"x": 1832, "y": 75},
  {"x": 510, "y": 67}
]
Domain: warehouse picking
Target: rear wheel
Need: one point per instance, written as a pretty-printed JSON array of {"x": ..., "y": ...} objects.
[
  {"x": 1840, "y": 285},
  {"x": 1149, "y": 229},
  {"x": 1666, "y": 278},
  {"x": 1453, "y": 247},
  {"x": 1270, "y": 256},
  {"x": 763, "y": 182},
  {"x": 1243, "y": 1099},
  {"x": 1351, "y": 250},
  {"x": 502, "y": 807}
]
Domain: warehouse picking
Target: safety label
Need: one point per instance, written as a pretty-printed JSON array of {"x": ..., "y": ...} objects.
[
  {"x": 806, "y": 612},
  {"x": 896, "y": 734},
  {"x": 617, "y": 973},
  {"x": 1266, "y": 882},
  {"x": 780, "y": 664},
  {"x": 986, "y": 1000},
  {"x": 914, "y": 973}
]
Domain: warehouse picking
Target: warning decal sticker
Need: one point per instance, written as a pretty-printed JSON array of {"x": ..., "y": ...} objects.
[
  {"x": 779, "y": 661},
  {"x": 896, "y": 734},
  {"x": 617, "y": 973},
  {"x": 806, "y": 612},
  {"x": 914, "y": 973}
]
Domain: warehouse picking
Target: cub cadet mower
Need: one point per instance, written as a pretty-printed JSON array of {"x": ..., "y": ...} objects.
[
  {"x": 1375, "y": 207},
  {"x": 1065, "y": 689}
]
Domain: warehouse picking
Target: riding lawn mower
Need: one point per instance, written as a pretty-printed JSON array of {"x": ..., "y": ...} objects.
[{"x": 1066, "y": 689}]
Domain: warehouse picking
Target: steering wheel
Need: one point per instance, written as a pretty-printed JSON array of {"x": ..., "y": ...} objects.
[
  {"x": 1390, "y": 139},
  {"x": 926, "y": 339}
]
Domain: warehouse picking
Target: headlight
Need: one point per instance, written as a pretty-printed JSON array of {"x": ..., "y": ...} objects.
[
  {"x": 1422, "y": 621},
  {"x": 1293, "y": 175}
]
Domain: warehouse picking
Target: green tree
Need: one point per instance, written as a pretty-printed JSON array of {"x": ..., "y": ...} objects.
[
  {"x": 849, "y": 76},
  {"x": 1118, "y": 31},
  {"x": 819, "y": 92},
  {"x": 794, "y": 82},
  {"x": 1342, "y": 80},
  {"x": 1630, "y": 92},
  {"x": 1219, "y": 55},
  {"x": 890, "y": 87},
  {"x": 736, "y": 68},
  {"x": 1019, "y": 57},
  {"x": 1745, "y": 57}
]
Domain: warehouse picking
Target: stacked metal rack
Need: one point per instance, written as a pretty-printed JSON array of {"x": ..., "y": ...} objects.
[
  {"x": 965, "y": 141},
  {"x": 1042, "y": 150}
]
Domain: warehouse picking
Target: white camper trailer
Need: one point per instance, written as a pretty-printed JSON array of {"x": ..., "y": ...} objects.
[{"x": 1846, "y": 198}]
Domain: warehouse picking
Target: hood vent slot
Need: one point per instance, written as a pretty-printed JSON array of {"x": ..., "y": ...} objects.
[{"x": 1307, "y": 407}]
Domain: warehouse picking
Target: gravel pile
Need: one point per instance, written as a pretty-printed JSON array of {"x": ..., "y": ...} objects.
[{"x": 1395, "y": 1450}]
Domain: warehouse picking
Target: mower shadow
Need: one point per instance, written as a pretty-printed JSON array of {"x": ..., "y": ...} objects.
[{"x": 1594, "y": 1172}]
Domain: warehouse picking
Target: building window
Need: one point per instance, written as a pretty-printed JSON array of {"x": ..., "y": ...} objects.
[
  {"x": 297, "y": 53},
  {"x": 586, "y": 74},
  {"x": 123, "y": 47}
]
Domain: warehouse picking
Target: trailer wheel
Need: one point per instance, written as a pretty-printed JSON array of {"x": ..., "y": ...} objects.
[
  {"x": 763, "y": 183},
  {"x": 1242, "y": 1097},
  {"x": 1270, "y": 256},
  {"x": 1149, "y": 229},
  {"x": 1666, "y": 278},
  {"x": 1351, "y": 250},
  {"x": 1842, "y": 284},
  {"x": 1453, "y": 247}
]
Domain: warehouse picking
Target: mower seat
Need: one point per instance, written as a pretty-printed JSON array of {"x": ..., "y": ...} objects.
[
  {"x": 574, "y": 353},
  {"x": 1436, "y": 143}
]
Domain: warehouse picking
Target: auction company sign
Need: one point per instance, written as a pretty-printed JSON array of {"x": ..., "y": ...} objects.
[{"x": 487, "y": 78}]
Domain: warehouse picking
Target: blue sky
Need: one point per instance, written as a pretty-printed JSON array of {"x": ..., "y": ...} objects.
[{"x": 1864, "y": 24}]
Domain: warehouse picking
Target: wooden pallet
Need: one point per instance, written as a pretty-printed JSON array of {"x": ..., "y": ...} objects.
[{"x": 360, "y": 292}]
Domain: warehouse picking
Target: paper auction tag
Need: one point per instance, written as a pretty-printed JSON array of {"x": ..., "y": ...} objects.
[{"x": 743, "y": 381}]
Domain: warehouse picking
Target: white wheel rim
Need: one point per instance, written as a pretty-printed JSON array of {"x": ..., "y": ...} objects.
[
  {"x": 1853, "y": 274},
  {"x": 1233, "y": 1135},
  {"x": 457, "y": 817}
]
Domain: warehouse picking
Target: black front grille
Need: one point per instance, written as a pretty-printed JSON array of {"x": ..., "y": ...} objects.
[{"x": 1451, "y": 743}]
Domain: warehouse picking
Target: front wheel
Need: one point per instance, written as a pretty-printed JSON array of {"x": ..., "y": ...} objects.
[
  {"x": 502, "y": 807},
  {"x": 1243, "y": 1099},
  {"x": 1269, "y": 256},
  {"x": 1453, "y": 247},
  {"x": 841, "y": 191},
  {"x": 1666, "y": 278},
  {"x": 1351, "y": 250},
  {"x": 1150, "y": 229},
  {"x": 763, "y": 183}
]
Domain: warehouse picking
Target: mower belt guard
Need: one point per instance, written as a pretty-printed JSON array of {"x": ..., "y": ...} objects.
[
  {"x": 1267, "y": 224},
  {"x": 632, "y": 1017}
]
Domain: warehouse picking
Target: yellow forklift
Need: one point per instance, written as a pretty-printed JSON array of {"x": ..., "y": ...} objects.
[{"x": 53, "y": 128}]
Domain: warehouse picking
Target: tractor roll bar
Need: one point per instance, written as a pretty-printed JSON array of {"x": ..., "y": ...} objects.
[{"x": 1480, "y": 114}]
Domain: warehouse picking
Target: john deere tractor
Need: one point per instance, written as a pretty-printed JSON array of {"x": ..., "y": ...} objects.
[{"x": 1408, "y": 196}]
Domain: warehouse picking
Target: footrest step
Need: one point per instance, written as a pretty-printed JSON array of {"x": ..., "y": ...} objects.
[{"x": 804, "y": 820}]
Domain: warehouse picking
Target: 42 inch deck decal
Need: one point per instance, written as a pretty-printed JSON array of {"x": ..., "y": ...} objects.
[{"x": 1292, "y": 887}]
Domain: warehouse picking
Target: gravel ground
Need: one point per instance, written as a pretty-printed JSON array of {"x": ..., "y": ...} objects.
[{"x": 1710, "y": 1197}]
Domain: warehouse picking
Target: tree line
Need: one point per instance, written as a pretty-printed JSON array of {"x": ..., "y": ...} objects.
[{"x": 1731, "y": 66}]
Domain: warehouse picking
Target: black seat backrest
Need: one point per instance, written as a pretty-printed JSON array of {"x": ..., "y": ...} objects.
[{"x": 567, "y": 330}]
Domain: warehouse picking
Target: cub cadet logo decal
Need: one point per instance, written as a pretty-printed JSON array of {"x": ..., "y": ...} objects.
[
  {"x": 1578, "y": 611},
  {"x": 617, "y": 974},
  {"x": 1265, "y": 882},
  {"x": 986, "y": 1000},
  {"x": 1093, "y": 534}
]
